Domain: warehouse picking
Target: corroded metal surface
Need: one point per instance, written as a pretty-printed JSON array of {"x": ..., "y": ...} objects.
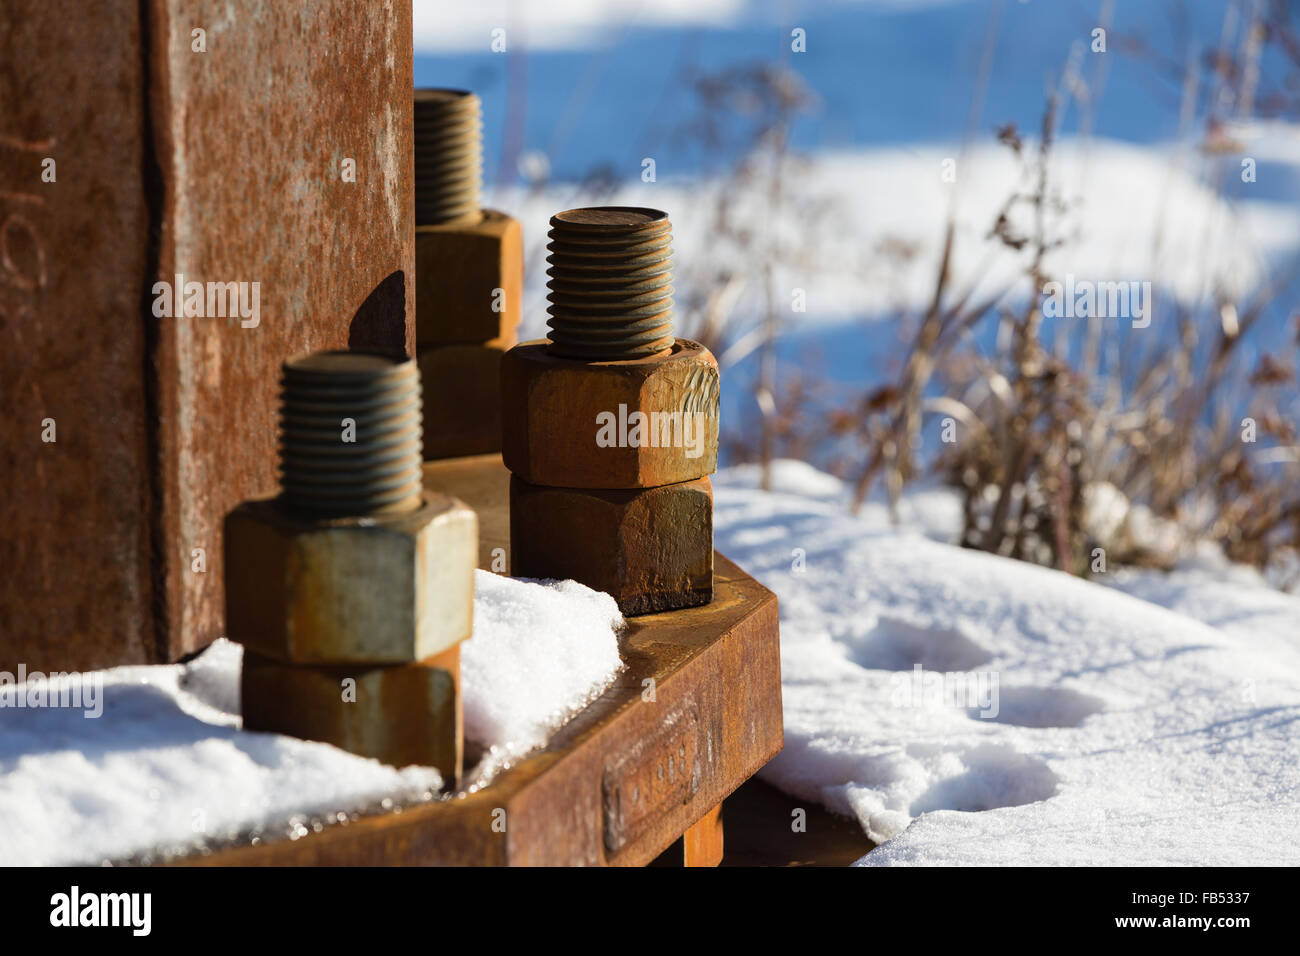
[
  {"x": 724, "y": 659},
  {"x": 716, "y": 678},
  {"x": 448, "y": 156},
  {"x": 702, "y": 844},
  {"x": 74, "y": 513},
  {"x": 354, "y": 562},
  {"x": 569, "y": 422},
  {"x": 715, "y": 674},
  {"x": 610, "y": 427},
  {"x": 279, "y": 154},
  {"x": 350, "y": 434},
  {"x": 400, "y": 715},
  {"x": 643, "y": 781},
  {"x": 462, "y": 400},
  {"x": 651, "y": 549},
  {"x": 484, "y": 484},
  {"x": 469, "y": 282},
  {"x": 469, "y": 279},
  {"x": 611, "y": 273},
  {"x": 251, "y": 139},
  {"x": 381, "y": 589}
]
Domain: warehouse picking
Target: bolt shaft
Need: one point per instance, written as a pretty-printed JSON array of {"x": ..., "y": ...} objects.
[
  {"x": 350, "y": 434},
  {"x": 448, "y": 156},
  {"x": 611, "y": 283}
]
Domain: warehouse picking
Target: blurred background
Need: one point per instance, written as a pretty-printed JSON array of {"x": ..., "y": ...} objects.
[{"x": 869, "y": 198}]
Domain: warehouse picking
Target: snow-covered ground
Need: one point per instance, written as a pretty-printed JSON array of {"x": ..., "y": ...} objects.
[
  {"x": 965, "y": 708},
  {"x": 970, "y": 709},
  {"x": 165, "y": 766}
]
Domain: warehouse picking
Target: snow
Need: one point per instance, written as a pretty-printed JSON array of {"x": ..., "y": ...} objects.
[
  {"x": 541, "y": 652},
  {"x": 166, "y": 768},
  {"x": 969, "y": 709}
]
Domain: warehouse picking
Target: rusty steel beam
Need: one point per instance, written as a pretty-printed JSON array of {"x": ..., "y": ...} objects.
[
  {"x": 74, "y": 516},
  {"x": 483, "y": 483},
  {"x": 274, "y": 149},
  {"x": 702, "y": 844}
]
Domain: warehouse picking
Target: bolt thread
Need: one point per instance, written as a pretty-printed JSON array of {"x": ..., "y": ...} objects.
[
  {"x": 611, "y": 274},
  {"x": 448, "y": 156},
  {"x": 350, "y": 434}
]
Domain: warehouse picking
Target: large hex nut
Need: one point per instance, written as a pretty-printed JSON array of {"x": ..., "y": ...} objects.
[
  {"x": 630, "y": 424},
  {"x": 458, "y": 270},
  {"x": 462, "y": 400},
  {"x": 651, "y": 549},
  {"x": 400, "y": 714},
  {"x": 387, "y": 589}
]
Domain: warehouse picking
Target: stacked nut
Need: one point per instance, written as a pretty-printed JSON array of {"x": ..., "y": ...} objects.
[
  {"x": 468, "y": 278},
  {"x": 610, "y": 426},
  {"x": 352, "y": 590}
]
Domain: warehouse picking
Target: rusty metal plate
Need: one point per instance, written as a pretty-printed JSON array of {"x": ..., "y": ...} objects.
[
  {"x": 251, "y": 137},
  {"x": 483, "y": 483},
  {"x": 650, "y": 777},
  {"x": 221, "y": 165},
  {"x": 74, "y": 512}
]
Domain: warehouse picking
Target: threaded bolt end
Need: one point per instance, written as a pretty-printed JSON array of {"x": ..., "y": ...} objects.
[
  {"x": 350, "y": 434},
  {"x": 611, "y": 274},
  {"x": 448, "y": 156}
]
